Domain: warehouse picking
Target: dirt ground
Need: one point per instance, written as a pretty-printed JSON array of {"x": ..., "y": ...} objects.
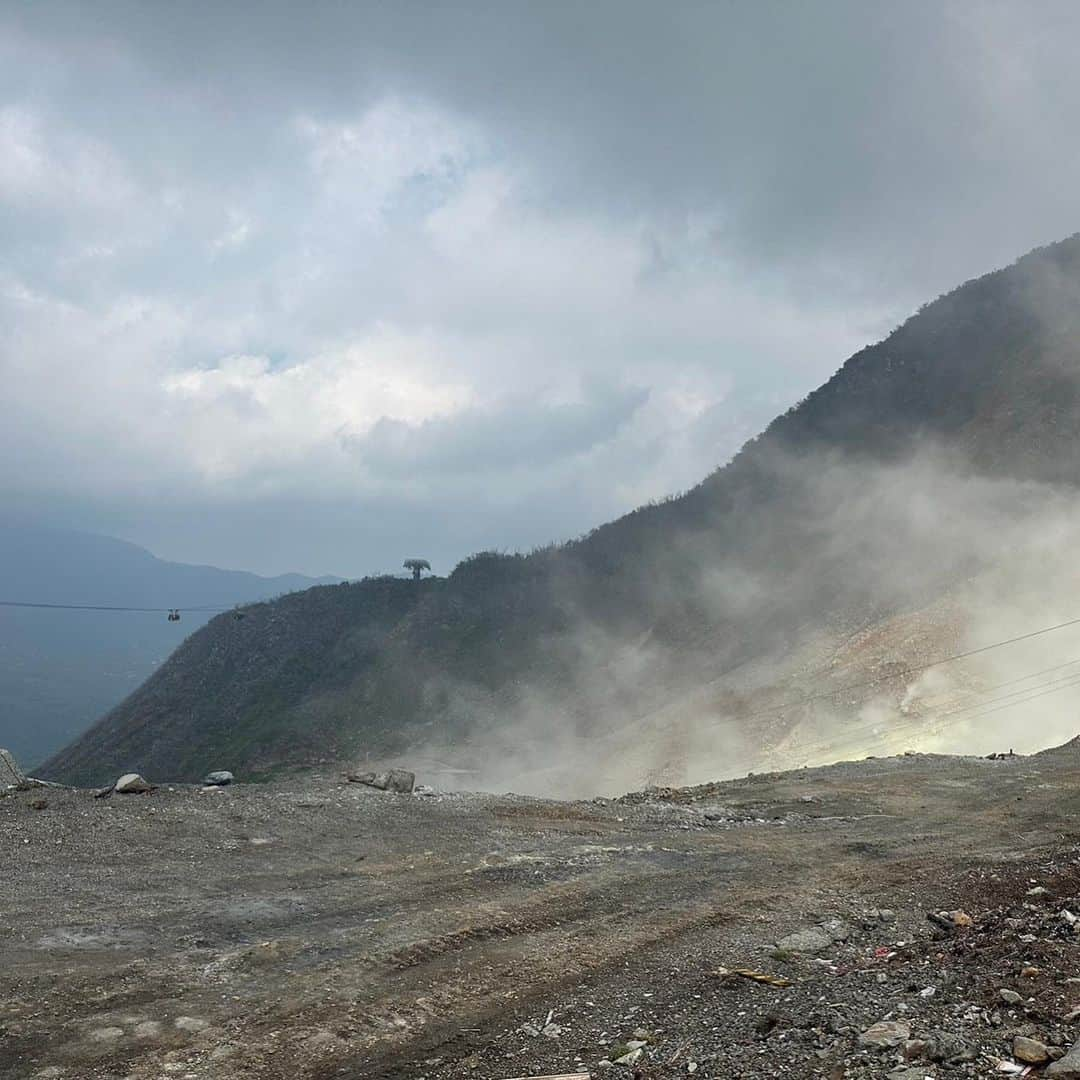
[{"x": 322, "y": 929}]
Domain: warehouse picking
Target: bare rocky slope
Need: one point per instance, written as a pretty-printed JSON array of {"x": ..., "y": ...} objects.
[{"x": 888, "y": 485}]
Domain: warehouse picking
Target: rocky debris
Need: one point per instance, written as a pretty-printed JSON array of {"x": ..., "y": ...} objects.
[
  {"x": 555, "y": 1076},
  {"x": 397, "y": 780},
  {"x": 948, "y": 923},
  {"x": 716, "y": 1004},
  {"x": 1068, "y": 1068},
  {"x": 132, "y": 784},
  {"x": 884, "y": 915},
  {"x": 949, "y": 1048},
  {"x": 816, "y": 938},
  {"x": 904, "y": 1000},
  {"x": 837, "y": 929},
  {"x": 885, "y": 1035},
  {"x": 812, "y": 940},
  {"x": 218, "y": 779}
]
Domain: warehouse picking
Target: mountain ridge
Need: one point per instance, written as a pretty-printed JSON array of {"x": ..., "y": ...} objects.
[
  {"x": 59, "y": 670},
  {"x": 831, "y": 518}
]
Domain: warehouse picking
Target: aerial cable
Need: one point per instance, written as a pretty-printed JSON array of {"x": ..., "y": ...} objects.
[
  {"x": 939, "y": 720},
  {"x": 113, "y": 607},
  {"x": 954, "y": 696},
  {"x": 912, "y": 670},
  {"x": 920, "y": 720}
]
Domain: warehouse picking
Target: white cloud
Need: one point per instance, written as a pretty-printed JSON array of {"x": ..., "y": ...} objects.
[
  {"x": 394, "y": 149},
  {"x": 390, "y": 301},
  {"x": 237, "y": 232},
  {"x": 56, "y": 169}
]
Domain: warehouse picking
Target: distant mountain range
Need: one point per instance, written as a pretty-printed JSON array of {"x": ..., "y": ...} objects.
[
  {"x": 60, "y": 669},
  {"x": 928, "y": 460}
]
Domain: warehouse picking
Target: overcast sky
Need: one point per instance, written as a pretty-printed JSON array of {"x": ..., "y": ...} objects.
[{"x": 318, "y": 286}]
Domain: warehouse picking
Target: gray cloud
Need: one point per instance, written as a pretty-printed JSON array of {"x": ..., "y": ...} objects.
[
  {"x": 261, "y": 256},
  {"x": 520, "y": 435}
]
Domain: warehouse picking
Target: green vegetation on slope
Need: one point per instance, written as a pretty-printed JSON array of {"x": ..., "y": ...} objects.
[{"x": 800, "y": 527}]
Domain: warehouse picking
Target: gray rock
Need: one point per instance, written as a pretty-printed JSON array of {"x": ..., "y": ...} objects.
[
  {"x": 1010, "y": 996},
  {"x": 1068, "y": 1068},
  {"x": 837, "y": 929},
  {"x": 811, "y": 940},
  {"x": 10, "y": 773},
  {"x": 399, "y": 780},
  {"x": 132, "y": 784},
  {"x": 946, "y": 1047},
  {"x": 1030, "y": 1051},
  {"x": 218, "y": 779},
  {"x": 885, "y": 1035},
  {"x": 370, "y": 779}
]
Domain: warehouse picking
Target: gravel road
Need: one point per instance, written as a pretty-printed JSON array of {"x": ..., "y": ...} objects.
[{"x": 315, "y": 928}]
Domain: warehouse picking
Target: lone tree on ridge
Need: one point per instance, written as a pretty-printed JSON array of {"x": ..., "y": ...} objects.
[{"x": 416, "y": 566}]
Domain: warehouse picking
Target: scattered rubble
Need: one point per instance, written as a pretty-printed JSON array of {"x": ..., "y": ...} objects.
[
  {"x": 398, "y": 780},
  {"x": 812, "y": 940},
  {"x": 542, "y": 938}
]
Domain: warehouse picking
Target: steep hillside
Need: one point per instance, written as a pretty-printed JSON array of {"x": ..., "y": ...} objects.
[
  {"x": 60, "y": 670},
  {"x": 919, "y": 466}
]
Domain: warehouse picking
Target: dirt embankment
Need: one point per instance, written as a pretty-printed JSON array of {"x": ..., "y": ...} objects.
[{"x": 325, "y": 930}]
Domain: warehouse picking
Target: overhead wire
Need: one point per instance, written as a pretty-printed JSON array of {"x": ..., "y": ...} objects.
[
  {"x": 115, "y": 607},
  {"x": 913, "y": 669},
  {"x": 778, "y": 709},
  {"x": 948, "y": 718}
]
